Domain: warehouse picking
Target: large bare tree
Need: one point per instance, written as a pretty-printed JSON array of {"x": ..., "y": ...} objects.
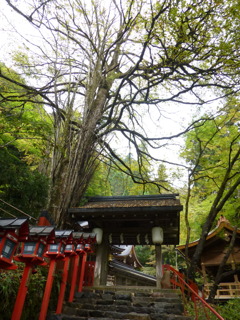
[{"x": 106, "y": 68}]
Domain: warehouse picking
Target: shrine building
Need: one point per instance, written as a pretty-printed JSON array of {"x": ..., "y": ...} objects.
[
  {"x": 129, "y": 220},
  {"x": 215, "y": 248}
]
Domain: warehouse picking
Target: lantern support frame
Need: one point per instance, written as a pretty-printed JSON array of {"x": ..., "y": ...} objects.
[{"x": 38, "y": 235}]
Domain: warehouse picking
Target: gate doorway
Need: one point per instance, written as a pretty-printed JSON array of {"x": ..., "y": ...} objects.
[{"x": 130, "y": 220}]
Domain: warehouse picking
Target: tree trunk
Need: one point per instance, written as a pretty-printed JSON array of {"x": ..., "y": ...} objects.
[{"x": 74, "y": 168}]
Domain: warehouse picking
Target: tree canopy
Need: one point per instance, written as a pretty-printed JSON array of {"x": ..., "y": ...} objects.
[
  {"x": 213, "y": 154},
  {"x": 107, "y": 70},
  {"x": 23, "y": 135}
]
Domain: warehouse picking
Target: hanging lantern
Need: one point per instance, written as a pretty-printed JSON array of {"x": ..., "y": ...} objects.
[
  {"x": 157, "y": 235},
  {"x": 99, "y": 235}
]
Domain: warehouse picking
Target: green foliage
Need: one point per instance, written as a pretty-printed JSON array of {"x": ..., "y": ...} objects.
[
  {"x": 169, "y": 255},
  {"x": 114, "y": 181},
  {"x": 9, "y": 284},
  {"x": 87, "y": 64},
  {"x": 210, "y": 148},
  {"x": 146, "y": 255},
  {"x": 99, "y": 184},
  {"x": 229, "y": 310},
  {"x": 143, "y": 254},
  {"x": 119, "y": 183},
  {"x": 143, "y": 179},
  {"x": 24, "y": 123},
  {"x": 24, "y": 129},
  {"x": 19, "y": 184}
]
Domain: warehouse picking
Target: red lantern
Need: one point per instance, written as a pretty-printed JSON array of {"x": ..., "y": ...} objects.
[
  {"x": 33, "y": 249},
  {"x": 88, "y": 240},
  {"x": 11, "y": 231},
  {"x": 80, "y": 248},
  {"x": 84, "y": 248},
  {"x": 55, "y": 252},
  {"x": 31, "y": 254}
]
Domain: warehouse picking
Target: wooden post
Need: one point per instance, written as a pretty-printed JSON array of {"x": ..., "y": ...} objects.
[
  {"x": 101, "y": 267},
  {"x": 74, "y": 278},
  {"x": 22, "y": 291},
  {"x": 158, "y": 250},
  {"x": 48, "y": 289},
  {"x": 63, "y": 285},
  {"x": 82, "y": 271}
]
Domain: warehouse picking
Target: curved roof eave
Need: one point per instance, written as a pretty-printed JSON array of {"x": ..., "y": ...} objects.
[{"x": 211, "y": 234}]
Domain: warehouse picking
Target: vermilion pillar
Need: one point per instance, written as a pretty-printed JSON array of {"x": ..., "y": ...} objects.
[
  {"x": 74, "y": 277},
  {"x": 22, "y": 291},
  {"x": 48, "y": 289},
  {"x": 63, "y": 285},
  {"x": 82, "y": 271}
]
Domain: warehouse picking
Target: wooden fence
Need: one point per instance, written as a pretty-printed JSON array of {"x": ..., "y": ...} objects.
[{"x": 228, "y": 290}]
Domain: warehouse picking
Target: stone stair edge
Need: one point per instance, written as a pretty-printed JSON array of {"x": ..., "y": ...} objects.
[
  {"x": 130, "y": 288},
  {"x": 67, "y": 317}
]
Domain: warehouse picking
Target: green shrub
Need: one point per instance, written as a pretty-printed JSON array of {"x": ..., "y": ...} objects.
[
  {"x": 9, "y": 284},
  {"x": 229, "y": 310}
]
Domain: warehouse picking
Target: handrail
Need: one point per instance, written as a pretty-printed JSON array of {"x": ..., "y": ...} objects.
[{"x": 196, "y": 296}]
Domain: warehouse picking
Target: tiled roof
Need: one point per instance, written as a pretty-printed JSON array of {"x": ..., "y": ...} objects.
[
  {"x": 12, "y": 223},
  {"x": 133, "y": 202}
]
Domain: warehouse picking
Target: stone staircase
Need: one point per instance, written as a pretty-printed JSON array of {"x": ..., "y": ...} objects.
[{"x": 129, "y": 303}]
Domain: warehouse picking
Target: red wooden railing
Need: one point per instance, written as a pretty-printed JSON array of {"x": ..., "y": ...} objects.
[{"x": 190, "y": 290}]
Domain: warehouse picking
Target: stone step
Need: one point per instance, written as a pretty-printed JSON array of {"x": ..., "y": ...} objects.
[
  {"x": 138, "y": 290},
  {"x": 121, "y": 314},
  {"x": 134, "y": 307},
  {"x": 120, "y": 295},
  {"x": 125, "y": 299},
  {"x": 104, "y": 303},
  {"x": 127, "y": 317}
]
